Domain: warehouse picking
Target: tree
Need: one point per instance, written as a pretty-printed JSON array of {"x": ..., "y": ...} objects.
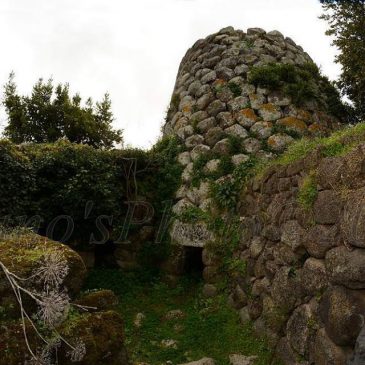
[
  {"x": 50, "y": 114},
  {"x": 346, "y": 19}
]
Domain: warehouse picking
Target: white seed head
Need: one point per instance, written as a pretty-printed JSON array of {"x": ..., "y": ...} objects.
[
  {"x": 52, "y": 270},
  {"x": 53, "y": 308},
  {"x": 78, "y": 352}
]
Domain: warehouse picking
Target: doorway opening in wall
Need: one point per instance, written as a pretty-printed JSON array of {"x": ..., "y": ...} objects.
[{"x": 193, "y": 263}]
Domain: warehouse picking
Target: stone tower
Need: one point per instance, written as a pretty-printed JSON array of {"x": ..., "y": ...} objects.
[{"x": 213, "y": 101}]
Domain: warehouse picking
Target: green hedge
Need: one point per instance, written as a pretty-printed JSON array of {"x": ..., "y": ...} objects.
[{"x": 57, "y": 179}]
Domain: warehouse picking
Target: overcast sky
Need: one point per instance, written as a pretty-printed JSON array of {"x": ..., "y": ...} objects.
[{"x": 132, "y": 49}]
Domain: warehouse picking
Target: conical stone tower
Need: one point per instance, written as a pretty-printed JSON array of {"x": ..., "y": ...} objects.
[{"x": 237, "y": 95}]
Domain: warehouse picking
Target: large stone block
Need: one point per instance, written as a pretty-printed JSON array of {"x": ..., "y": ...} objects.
[
  {"x": 326, "y": 352},
  {"x": 342, "y": 311},
  {"x": 346, "y": 267},
  {"x": 190, "y": 234}
]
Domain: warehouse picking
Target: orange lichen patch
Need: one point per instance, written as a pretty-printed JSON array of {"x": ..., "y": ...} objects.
[
  {"x": 272, "y": 142},
  {"x": 219, "y": 83},
  {"x": 304, "y": 115},
  {"x": 316, "y": 128},
  {"x": 248, "y": 113},
  {"x": 293, "y": 124},
  {"x": 186, "y": 109},
  {"x": 253, "y": 96},
  {"x": 269, "y": 107}
]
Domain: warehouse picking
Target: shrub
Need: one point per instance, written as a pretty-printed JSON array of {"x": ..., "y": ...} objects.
[
  {"x": 235, "y": 88},
  {"x": 17, "y": 181},
  {"x": 302, "y": 83},
  {"x": 50, "y": 180}
]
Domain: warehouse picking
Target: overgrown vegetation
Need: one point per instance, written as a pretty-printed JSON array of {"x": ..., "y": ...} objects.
[
  {"x": 225, "y": 167},
  {"x": 209, "y": 327},
  {"x": 302, "y": 84},
  {"x": 50, "y": 180},
  {"x": 226, "y": 191},
  {"x": 338, "y": 143},
  {"x": 308, "y": 191},
  {"x": 235, "y": 88}
]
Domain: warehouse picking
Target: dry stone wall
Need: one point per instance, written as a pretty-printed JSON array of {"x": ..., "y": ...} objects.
[
  {"x": 305, "y": 282},
  {"x": 213, "y": 104},
  {"x": 303, "y": 252}
]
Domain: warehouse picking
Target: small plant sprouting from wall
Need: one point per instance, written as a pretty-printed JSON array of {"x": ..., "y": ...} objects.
[
  {"x": 308, "y": 191},
  {"x": 235, "y": 88},
  {"x": 226, "y": 191},
  {"x": 175, "y": 101}
]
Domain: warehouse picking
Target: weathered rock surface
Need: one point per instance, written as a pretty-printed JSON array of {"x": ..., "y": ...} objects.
[
  {"x": 214, "y": 102},
  {"x": 303, "y": 261},
  {"x": 204, "y": 361},
  {"x": 23, "y": 254},
  {"x": 237, "y": 359},
  {"x": 305, "y": 264},
  {"x": 101, "y": 329}
]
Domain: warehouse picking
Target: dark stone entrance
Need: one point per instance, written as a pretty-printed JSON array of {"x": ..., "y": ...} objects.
[{"x": 193, "y": 260}]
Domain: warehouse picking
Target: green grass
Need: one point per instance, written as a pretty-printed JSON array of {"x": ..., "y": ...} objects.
[
  {"x": 337, "y": 144},
  {"x": 308, "y": 192},
  {"x": 210, "y": 328}
]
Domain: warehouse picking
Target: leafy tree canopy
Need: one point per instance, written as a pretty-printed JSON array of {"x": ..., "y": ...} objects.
[
  {"x": 50, "y": 114},
  {"x": 346, "y": 19}
]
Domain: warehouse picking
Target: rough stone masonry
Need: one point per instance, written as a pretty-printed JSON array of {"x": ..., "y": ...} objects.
[
  {"x": 205, "y": 110},
  {"x": 305, "y": 280}
]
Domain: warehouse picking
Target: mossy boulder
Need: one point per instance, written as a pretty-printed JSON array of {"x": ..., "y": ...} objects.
[
  {"x": 22, "y": 255},
  {"x": 100, "y": 329},
  {"x": 102, "y": 333},
  {"x": 101, "y": 299}
]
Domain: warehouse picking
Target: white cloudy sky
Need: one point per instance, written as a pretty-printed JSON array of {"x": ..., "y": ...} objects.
[{"x": 132, "y": 49}]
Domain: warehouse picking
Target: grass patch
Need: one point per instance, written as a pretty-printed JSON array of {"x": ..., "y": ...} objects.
[
  {"x": 337, "y": 144},
  {"x": 210, "y": 328},
  {"x": 308, "y": 192},
  {"x": 193, "y": 214}
]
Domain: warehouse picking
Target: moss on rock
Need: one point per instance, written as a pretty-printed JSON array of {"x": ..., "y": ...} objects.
[
  {"x": 101, "y": 299},
  {"x": 102, "y": 333},
  {"x": 21, "y": 254}
]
